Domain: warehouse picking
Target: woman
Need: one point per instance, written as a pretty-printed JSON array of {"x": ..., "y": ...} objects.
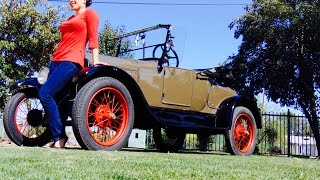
[{"x": 67, "y": 61}]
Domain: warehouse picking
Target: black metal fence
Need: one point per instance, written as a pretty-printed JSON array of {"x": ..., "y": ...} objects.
[
  {"x": 286, "y": 134},
  {"x": 281, "y": 134}
]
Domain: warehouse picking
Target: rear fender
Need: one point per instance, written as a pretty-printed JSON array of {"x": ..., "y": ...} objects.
[{"x": 227, "y": 107}]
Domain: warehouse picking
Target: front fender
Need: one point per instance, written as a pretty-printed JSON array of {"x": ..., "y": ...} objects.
[
  {"x": 226, "y": 109},
  {"x": 92, "y": 72},
  {"x": 143, "y": 110},
  {"x": 26, "y": 83}
]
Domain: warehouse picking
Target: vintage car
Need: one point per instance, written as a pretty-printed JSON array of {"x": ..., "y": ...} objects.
[{"x": 106, "y": 101}]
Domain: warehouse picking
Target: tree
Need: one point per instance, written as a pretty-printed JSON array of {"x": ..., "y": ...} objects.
[
  {"x": 280, "y": 53},
  {"x": 28, "y": 34},
  {"x": 108, "y": 44}
]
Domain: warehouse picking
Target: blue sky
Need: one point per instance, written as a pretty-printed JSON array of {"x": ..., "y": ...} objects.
[{"x": 202, "y": 36}]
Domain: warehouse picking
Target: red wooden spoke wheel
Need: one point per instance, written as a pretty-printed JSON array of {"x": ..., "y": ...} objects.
[
  {"x": 24, "y": 120},
  {"x": 28, "y": 118},
  {"x": 241, "y": 139},
  {"x": 103, "y": 115},
  {"x": 243, "y": 133},
  {"x": 107, "y": 116}
]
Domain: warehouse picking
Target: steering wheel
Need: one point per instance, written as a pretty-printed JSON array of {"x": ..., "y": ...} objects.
[{"x": 168, "y": 55}]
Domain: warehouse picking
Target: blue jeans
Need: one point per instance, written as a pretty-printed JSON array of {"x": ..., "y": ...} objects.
[{"x": 61, "y": 73}]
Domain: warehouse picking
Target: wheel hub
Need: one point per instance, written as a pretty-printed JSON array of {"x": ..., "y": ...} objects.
[
  {"x": 103, "y": 114},
  {"x": 35, "y": 118},
  {"x": 241, "y": 131}
]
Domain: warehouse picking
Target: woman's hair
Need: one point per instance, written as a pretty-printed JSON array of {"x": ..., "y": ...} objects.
[{"x": 88, "y": 3}]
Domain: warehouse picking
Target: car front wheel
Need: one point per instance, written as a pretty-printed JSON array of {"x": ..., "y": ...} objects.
[
  {"x": 103, "y": 115},
  {"x": 24, "y": 120}
]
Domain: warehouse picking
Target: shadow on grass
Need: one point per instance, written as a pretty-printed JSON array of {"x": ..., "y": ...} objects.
[
  {"x": 209, "y": 153},
  {"x": 219, "y": 153},
  {"x": 216, "y": 153}
]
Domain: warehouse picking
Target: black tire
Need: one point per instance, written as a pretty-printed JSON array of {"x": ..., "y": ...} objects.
[
  {"x": 23, "y": 120},
  {"x": 244, "y": 126},
  {"x": 167, "y": 140},
  {"x": 103, "y": 115}
]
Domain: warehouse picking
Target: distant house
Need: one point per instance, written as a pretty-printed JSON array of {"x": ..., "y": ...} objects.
[{"x": 303, "y": 145}]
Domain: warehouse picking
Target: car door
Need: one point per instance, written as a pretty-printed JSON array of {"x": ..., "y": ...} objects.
[{"x": 177, "y": 86}]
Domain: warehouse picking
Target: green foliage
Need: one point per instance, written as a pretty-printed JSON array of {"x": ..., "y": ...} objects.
[
  {"x": 280, "y": 53},
  {"x": 280, "y": 50},
  {"x": 108, "y": 45},
  {"x": 28, "y": 34},
  {"x": 267, "y": 138}
]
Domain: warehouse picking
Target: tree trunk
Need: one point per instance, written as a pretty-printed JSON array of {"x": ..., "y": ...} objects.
[
  {"x": 314, "y": 124},
  {"x": 315, "y": 131},
  {"x": 307, "y": 100}
]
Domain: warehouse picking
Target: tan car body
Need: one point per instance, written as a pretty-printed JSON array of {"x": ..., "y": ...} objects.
[
  {"x": 193, "y": 101},
  {"x": 172, "y": 87}
]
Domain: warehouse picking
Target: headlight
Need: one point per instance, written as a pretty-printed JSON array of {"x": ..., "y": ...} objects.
[{"x": 43, "y": 75}]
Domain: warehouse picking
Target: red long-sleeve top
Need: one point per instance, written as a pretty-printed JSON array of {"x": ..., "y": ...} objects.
[{"x": 75, "y": 33}]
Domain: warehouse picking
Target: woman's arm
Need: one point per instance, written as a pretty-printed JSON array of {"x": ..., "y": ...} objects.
[
  {"x": 95, "y": 56},
  {"x": 92, "y": 20}
]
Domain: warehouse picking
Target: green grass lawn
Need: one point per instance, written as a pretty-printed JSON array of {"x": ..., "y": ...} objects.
[{"x": 44, "y": 163}]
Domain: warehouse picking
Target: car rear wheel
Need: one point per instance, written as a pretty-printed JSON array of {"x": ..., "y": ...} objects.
[
  {"x": 103, "y": 115},
  {"x": 241, "y": 139},
  {"x": 24, "y": 122},
  {"x": 168, "y": 140}
]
